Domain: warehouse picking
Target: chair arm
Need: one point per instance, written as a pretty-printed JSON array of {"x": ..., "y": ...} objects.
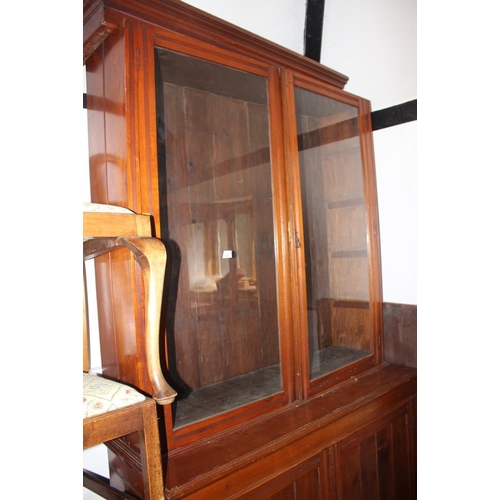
[{"x": 151, "y": 256}]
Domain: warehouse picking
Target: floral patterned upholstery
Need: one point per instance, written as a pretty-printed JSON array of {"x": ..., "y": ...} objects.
[{"x": 101, "y": 395}]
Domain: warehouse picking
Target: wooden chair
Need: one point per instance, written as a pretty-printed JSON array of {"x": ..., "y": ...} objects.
[{"x": 113, "y": 409}]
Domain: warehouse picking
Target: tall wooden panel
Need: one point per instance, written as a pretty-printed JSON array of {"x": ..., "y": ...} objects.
[{"x": 378, "y": 463}]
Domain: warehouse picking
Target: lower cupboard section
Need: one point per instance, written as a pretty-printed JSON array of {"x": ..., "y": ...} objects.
[
  {"x": 363, "y": 449},
  {"x": 377, "y": 463}
]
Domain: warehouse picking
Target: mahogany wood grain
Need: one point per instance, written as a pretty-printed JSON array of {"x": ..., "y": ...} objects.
[
  {"x": 294, "y": 442},
  {"x": 109, "y": 131},
  {"x": 303, "y": 481},
  {"x": 99, "y": 225},
  {"x": 110, "y": 426},
  {"x": 367, "y": 152},
  {"x": 375, "y": 463},
  {"x": 188, "y": 20},
  {"x": 265, "y": 450},
  {"x": 95, "y": 27},
  {"x": 282, "y": 425},
  {"x": 141, "y": 418},
  {"x": 298, "y": 278}
]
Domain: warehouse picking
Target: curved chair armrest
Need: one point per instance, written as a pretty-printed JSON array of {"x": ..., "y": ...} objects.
[{"x": 150, "y": 254}]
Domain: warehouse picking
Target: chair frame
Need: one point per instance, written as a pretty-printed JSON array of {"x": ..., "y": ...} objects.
[{"x": 104, "y": 232}]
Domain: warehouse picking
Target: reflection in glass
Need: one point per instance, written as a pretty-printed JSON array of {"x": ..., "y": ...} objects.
[
  {"x": 335, "y": 235},
  {"x": 217, "y": 214}
]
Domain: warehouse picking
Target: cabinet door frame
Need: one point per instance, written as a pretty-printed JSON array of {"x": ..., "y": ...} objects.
[
  {"x": 305, "y": 386},
  {"x": 158, "y": 37}
]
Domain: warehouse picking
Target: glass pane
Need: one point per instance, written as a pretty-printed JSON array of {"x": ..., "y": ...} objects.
[
  {"x": 335, "y": 233},
  {"x": 217, "y": 213}
]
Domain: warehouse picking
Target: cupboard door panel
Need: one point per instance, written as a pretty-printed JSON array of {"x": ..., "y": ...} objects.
[
  {"x": 308, "y": 486},
  {"x": 376, "y": 463},
  {"x": 305, "y": 482}
]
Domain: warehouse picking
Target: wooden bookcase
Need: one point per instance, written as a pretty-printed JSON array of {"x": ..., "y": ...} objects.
[{"x": 258, "y": 170}]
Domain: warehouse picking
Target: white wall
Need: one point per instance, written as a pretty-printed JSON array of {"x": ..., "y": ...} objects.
[
  {"x": 280, "y": 21},
  {"x": 373, "y": 42}
]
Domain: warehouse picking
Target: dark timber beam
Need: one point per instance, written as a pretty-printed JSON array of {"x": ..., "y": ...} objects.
[
  {"x": 314, "y": 29},
  {"x": 395, "y": 115}
]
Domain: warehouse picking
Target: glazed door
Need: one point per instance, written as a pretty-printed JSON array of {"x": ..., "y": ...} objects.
[
  {"x": 218, "y": 211},
  {"x": 335, "y": 246}
]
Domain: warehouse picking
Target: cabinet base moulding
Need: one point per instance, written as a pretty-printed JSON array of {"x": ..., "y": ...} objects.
[{"x": 237, "y": 464}]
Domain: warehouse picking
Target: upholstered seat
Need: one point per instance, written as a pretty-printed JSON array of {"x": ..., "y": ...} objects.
[{"x": 101, "y": 395}]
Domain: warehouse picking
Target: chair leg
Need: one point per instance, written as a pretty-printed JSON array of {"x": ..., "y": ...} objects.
[{"x": 151, "y": 455}]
